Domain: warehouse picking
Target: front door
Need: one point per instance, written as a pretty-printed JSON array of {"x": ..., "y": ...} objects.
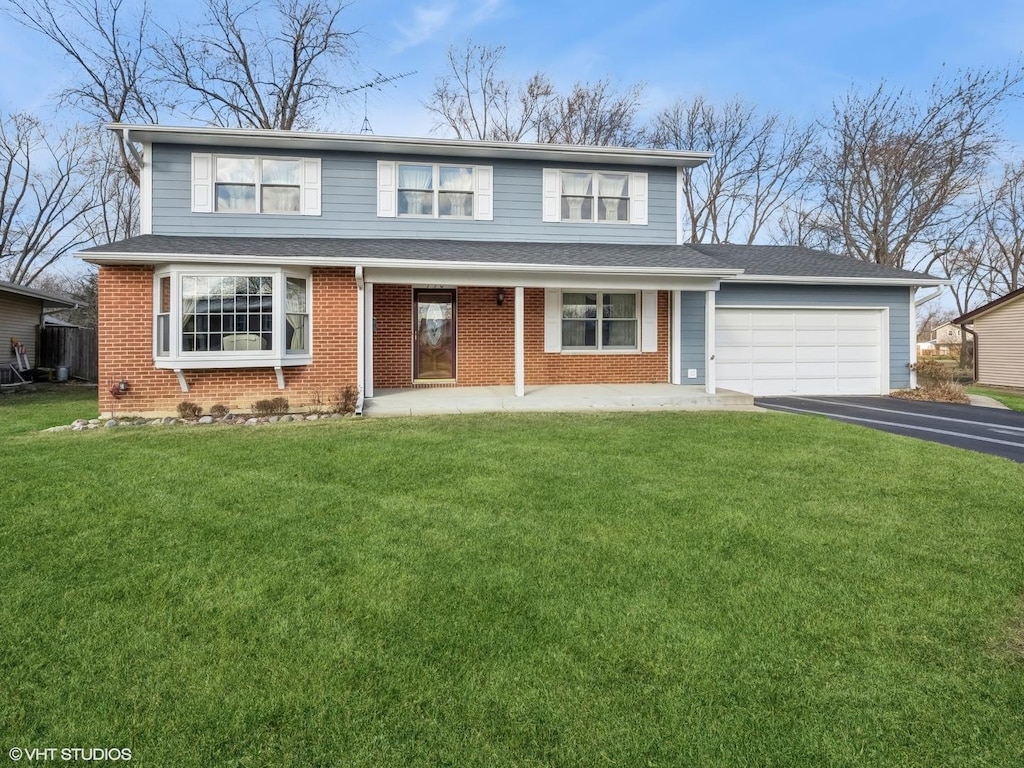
[{"x": 434, "y": 336}]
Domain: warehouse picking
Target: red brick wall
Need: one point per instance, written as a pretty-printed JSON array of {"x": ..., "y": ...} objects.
[
  {"x": 392, "y": 339},
  {"x": 582, "y": 368},
  {"x": 126, "y": 350},
  {"x": 485, "y": 339}
]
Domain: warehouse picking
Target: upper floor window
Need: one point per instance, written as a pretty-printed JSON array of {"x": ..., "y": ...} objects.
[
  {"x": 434, "y": 191},
  {"x": 254, "y": 184},
  {"x": 616, "y": 197}
]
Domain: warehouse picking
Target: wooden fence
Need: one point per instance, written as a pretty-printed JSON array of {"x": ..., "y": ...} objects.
[{"x": 77, "y": 348}]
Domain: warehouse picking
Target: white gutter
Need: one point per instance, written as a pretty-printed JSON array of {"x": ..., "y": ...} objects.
[
  {"x": 99, "y": 257},
  {"x": 250, "y": 137},
  {"x": 810, "y": 279},
  {"x": 930, "y": 296},
  {"x": 130, "y": 143}
]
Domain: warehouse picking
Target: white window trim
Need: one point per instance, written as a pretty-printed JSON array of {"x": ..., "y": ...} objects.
[
  {"x": 387, "y": 191},
  {"x": 276, "y": 357},
  {"x": 598, "y": 349},
  {"x": 647, "y": 322},
  {"x": 204, "y": 184},
  {"x": 552, "y": 198}
]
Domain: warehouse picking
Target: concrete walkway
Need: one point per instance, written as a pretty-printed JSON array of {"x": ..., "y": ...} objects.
[{"x": 567, "y": 397}]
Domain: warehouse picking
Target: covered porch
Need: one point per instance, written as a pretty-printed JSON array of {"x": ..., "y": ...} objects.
[{"x": 553, "y": 398}]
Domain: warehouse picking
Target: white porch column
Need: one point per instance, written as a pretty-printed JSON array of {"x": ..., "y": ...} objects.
[
  {"x": 368, "y": 340},
  {"x": 520, "y": 341},
  {"x": 709, "y": 342},
  {"x": 675, "y": 354}
]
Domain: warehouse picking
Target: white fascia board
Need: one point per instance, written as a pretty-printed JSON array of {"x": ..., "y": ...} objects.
[
  {"x": 549, "y": 279},
  {"x": 408, "y": 264},
  {"x": 556, "y": 153},
  {"x": 811, "y": 280}
]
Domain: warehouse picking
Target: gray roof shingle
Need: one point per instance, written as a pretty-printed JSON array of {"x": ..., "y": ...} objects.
[{"x": 761, "y": 260}]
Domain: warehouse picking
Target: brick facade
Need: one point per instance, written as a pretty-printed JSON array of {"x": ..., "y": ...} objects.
[
  {"x": 485, "y": 339},
  {"x": 126, "y": 350}
]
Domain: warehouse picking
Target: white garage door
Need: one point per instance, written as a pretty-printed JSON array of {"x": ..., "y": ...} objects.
[{"x": 801, "y": 351}]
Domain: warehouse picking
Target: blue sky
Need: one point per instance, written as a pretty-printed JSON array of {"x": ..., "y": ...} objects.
[{"x": 791, "y": 57}]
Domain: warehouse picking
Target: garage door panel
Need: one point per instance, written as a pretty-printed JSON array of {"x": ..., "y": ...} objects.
[
  {"x": 815, "y": 319},
  {"x": 823, "y": 354},
  {"x": 762, "y": 337},
  {"x": 858, "y": 353},
  {"x": 811, "y": 352},
  {"x": 816, "y": 337},
  {"x": 773, "y": 354}
]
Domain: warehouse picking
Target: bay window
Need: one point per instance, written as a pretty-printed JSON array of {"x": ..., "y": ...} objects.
[{"x": 223, "y": 318}]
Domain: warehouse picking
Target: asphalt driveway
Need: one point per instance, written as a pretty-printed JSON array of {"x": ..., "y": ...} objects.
[{"x": 987, "y": 430}]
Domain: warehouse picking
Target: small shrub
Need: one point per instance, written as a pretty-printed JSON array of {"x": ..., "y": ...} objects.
[
  {"x": 277, "y": 406},
  {"x": 932, "y": 373},
  {"x": 189, "y": 410},
  {"x": 218, "y": 411},
  {"x": 344, "y": 400},
  {"x": 317, "y": 404}
]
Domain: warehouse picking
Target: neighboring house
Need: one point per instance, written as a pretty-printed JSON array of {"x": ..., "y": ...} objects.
[
  {"x": 21, "y": 314},
  {"x": 295, "y": 264},
  {"x": 948, "y": 334},
  {"x": 998, "y": 329}
]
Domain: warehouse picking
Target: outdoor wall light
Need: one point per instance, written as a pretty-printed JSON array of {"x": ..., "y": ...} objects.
[
  {"x": 120, "y": 388},
  {"x": 500, "y": 297}
]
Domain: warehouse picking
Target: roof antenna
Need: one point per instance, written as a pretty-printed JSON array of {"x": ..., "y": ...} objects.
[{"x": 367, "y": 128}]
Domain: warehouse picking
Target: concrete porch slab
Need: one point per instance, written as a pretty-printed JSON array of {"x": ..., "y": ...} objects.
[{"x": 564, "y": 397}]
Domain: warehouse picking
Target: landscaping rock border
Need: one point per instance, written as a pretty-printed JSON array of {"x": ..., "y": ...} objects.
[{"x": 231, "y": 419}]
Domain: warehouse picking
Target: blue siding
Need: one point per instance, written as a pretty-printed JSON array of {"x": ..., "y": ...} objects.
[
  {"x": 692, "y": 315},
  {"x": 349, "y": 205},
  {"x": 897, "y": 299}
]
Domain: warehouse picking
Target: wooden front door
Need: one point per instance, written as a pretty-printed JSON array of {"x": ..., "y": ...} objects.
[{"x": 434, "y": 335}]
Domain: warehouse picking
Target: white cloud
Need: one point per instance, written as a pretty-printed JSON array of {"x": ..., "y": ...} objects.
[
  {"x": 484, "y": 10},
  {"x": 427, "y": 21}
]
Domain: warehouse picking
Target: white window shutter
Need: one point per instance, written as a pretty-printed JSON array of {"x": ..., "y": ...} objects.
[
  {"x": 552, "y": 195},
  {"x": 311, "y": 186},
  {"x": 638, "y": 199},
  {"x": 202, "y": 182},
  {"x": 649, "y": 321},
  {"x": 387, "y": 188},
  {"x": 552, "y": 320},
  {"x": 483, "y": 192}
]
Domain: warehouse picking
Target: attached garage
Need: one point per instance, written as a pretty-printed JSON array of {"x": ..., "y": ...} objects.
[{"x": 802, "y": 351}]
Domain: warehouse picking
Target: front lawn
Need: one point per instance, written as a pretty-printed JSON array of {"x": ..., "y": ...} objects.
[
  {"x": 529, "y": 590},
  {"x": 1011, "y": 398}
]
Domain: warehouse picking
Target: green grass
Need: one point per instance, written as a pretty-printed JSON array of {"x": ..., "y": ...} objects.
[
  {"x": 1011, "y": 398},
  {"x": 45, "y": 405},
  {"x": 530, "y": 590}
]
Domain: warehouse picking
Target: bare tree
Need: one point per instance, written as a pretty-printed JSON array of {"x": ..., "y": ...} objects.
[
  {"x": 757, "y": 168},
  {"x": 1004, "y": 230},
  {"x": 594, "y": 114},
  {"x": 112, "y": 57},
  {"x": 47, "y": 197},
  {"x": 241, "y": 69},
  {"x": 893, "y": 172},
  {"x": 475, "y": 103}
]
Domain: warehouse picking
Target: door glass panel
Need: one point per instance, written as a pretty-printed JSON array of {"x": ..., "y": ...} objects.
[{"x": 434, "y": 354}]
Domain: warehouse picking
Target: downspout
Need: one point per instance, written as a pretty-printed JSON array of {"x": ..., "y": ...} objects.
[
  {"x": 131, "y": 147},
  {"x": 360, "y": 340},
  {"x": 974, "y": 335}
]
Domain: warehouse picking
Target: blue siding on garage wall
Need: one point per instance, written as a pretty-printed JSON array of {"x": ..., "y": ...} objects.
[
  {"x": 692, "y": 314},
  {"x": 896, "y": 298},
  {"x": 349, "y": 204}
]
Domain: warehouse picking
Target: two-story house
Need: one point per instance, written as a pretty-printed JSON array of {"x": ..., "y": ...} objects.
[{"x": 292, "y": 263}]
